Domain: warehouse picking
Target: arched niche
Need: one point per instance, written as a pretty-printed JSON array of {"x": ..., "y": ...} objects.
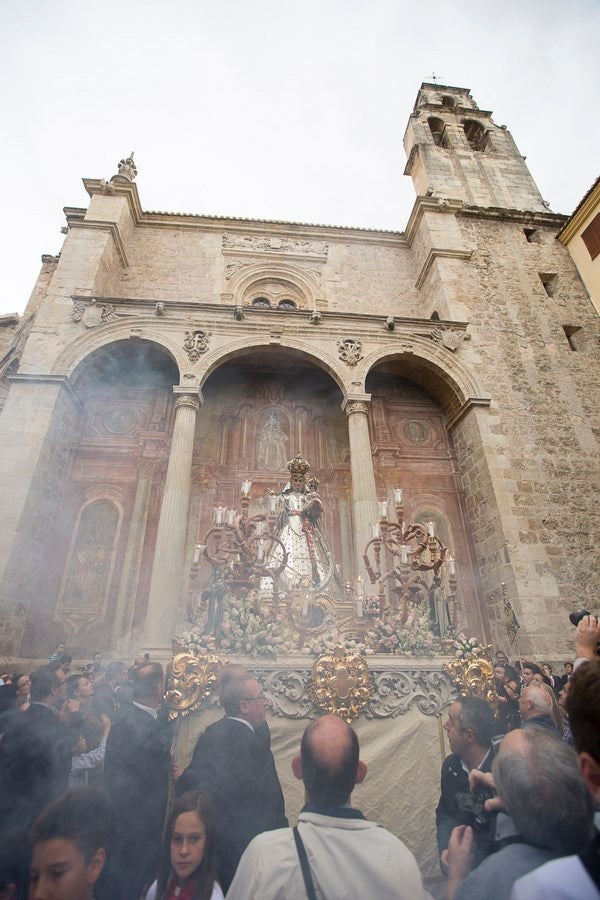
[
  {"x": 275, "y": 282},
  {"x": 413, "y": 449},
  {"x": 261, "y": 407},
  {"x": 476, "y": 135},
  {"x": 437, "y": 127}
]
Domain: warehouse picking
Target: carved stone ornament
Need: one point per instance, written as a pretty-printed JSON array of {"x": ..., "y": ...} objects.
[
  {"x": 473, "y": 676},
  {"x": 357, "y": 406},
  {"x": 350, "y": 351},
  {"x": 341, "y": 684},
  {"x": 126, "y": 170},
  {"x": 196, "y": 343},
  {"x": 450, "y": 338},
  {"x": 397, "y": 692},
  {"x": 192, "y": 680},
  {"x": 273, "y": 244},
  {"x": 93, "y": 314}
]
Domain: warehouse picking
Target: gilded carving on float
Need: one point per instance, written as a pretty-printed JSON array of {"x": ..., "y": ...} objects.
[
  {"x": 473, "y": 676},
  {"x": 191, "y": 681},
  {"x": 341, "y": 684}
]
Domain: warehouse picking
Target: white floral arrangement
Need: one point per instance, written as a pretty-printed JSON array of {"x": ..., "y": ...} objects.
[
  {"x": 466, "y": 648},
  {"x": 410, "y": 638},
  {"x": 328, "y": 641}
]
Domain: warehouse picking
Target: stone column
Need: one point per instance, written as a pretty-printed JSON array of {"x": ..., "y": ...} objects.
[
  {"x": 165, "y": 597},
  {"x": 364, "y": 494},
  {"x": 121, "y": 631}
]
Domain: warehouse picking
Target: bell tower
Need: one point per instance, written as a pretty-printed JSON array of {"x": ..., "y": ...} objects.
[{"x": 456, "y": 151}]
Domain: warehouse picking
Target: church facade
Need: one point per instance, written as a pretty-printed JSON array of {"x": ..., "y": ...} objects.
[{"x": 165, "y": 357}]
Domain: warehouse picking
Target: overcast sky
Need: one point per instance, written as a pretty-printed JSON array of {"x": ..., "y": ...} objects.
[{"x": 274, "y": 109}]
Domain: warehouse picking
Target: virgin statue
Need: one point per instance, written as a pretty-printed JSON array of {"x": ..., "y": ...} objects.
[
  {"x": 310, "y": 564},
  {"x": 271, "y": 444}
]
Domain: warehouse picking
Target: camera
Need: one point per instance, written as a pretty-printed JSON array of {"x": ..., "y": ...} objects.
[
  {"x": 472, "y": 811},
  {"x": 576, "y": 617}
]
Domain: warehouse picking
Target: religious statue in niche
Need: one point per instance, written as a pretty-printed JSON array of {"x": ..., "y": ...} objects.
[
  {"x": 89, "y": 564},
  {"x": 271, "y": 444},
  {"x": 310, "y": 564}
]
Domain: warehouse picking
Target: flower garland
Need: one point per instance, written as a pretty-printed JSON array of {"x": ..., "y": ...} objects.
[{"x": 245, "y": 633}]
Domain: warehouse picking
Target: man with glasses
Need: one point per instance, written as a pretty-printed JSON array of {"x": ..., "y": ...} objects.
[{"x": 234, "y": 766}]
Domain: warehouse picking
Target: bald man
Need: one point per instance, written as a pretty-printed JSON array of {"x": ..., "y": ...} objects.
[
  {"x": 535, "y": 706},
  {"x": 347, "y": 856}
]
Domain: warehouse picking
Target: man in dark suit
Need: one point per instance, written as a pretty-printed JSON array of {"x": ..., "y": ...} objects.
[
  {"x": 35, "y": 753},
  {"x": 137, "y": 765},
  {"x": 470, "y": 728},
  {"x": 234, "y": 765}
]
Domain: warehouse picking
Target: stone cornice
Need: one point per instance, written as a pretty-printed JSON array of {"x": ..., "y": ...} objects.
[
  {"x": 39, "y": 378},
  {"x": 211, "y": 223},
  {"x": 111, "y": 228},
  {"x": 522, "y": 216},
  {"x": 439, "y": 253},
  {"x": 465, "y": 408},
  {"x": 424, "y": 205},
  {"x": 177, "y": 313}
]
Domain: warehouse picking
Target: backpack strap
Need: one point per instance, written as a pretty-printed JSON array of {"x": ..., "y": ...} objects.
[{"x": 306, "y": 873}]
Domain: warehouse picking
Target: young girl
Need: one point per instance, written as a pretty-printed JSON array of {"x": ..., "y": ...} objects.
[{"x": 186, "y": 870}]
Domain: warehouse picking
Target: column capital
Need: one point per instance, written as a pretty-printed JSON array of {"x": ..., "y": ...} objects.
[
  {"x": 356, "y": 403},
  {"x": 190, "y": 398}
]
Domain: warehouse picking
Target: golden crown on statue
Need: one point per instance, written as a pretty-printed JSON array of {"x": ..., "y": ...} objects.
[{"x": 298, "y": 466}]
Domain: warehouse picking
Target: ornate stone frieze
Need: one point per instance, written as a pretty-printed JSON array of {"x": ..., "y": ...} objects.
[
  {"x": 196, "y": 343},
  {"x": 92, "y": 314},
  {"x": 270, "y": 244},
  {"x": 450, "y": 338},
  {"x": 396, "y": 692},
  {"x": 350, "y": 351},
  {"x": 380, "y": 687}
]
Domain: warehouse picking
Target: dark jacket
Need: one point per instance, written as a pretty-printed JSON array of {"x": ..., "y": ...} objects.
[
  {"x": 137, "y": 766},
  {"x": 236, "y": 768},
  {"x": 448, "y": 814},
  {"x": 35, "y": 759}
]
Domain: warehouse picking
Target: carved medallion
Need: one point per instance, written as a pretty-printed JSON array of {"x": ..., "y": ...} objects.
[
  {"x": 350, "y": 351},
  {"x": 120, "y": 421},
  {"x": 416, "y": 432},
  {"x": 192, "y": 679},
  {"x": 196, "y": 343},
  {"x": 341, "y": 684}
]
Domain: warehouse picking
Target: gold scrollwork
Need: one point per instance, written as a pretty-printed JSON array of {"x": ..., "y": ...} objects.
[
  {"x": 473, "y": 677},
  {"x": 341, "y": 684},
  {"x": 191, "y": 681}
]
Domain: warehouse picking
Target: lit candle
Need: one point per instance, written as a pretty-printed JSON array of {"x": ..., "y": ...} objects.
[
  {"x": 260, "y": 527},
  {"x": 246, "y": 488},
  {"x": 260, "y": 551},
  {"x": 451, "y": 566},
  {"x": 219, "y": 511},
  {"x": 305, "y": 607},
  {"x": 359, "y": 586},
  {"x": 403, "y": 554},
  {"x": 430, "y": 529},
  {"x": 197, "y": 554},
  {"x": 273, "y": 502},
  {"x": 383, "y": 510},
  {"x": 376, "y": 530},
  {"x": 359, "y": 608},
  {"x": 231, "y": 516},
  {"x": 398, "y": 496}
]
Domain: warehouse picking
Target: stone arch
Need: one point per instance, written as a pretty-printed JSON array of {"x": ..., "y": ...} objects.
[
  {"x": 240, "y": 347},
  {"x": 82, "y": 347},
  {"x": 434, "y": 368},
  {"x": 249, "y": 280}
]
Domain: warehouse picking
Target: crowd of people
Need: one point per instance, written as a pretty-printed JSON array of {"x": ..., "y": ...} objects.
[{"x": 91, "y": 805}]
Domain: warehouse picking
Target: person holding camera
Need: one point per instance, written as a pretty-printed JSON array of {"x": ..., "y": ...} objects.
[
  {"x": 544, "y": 811},
  {"x": 470, "y": 728}
]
